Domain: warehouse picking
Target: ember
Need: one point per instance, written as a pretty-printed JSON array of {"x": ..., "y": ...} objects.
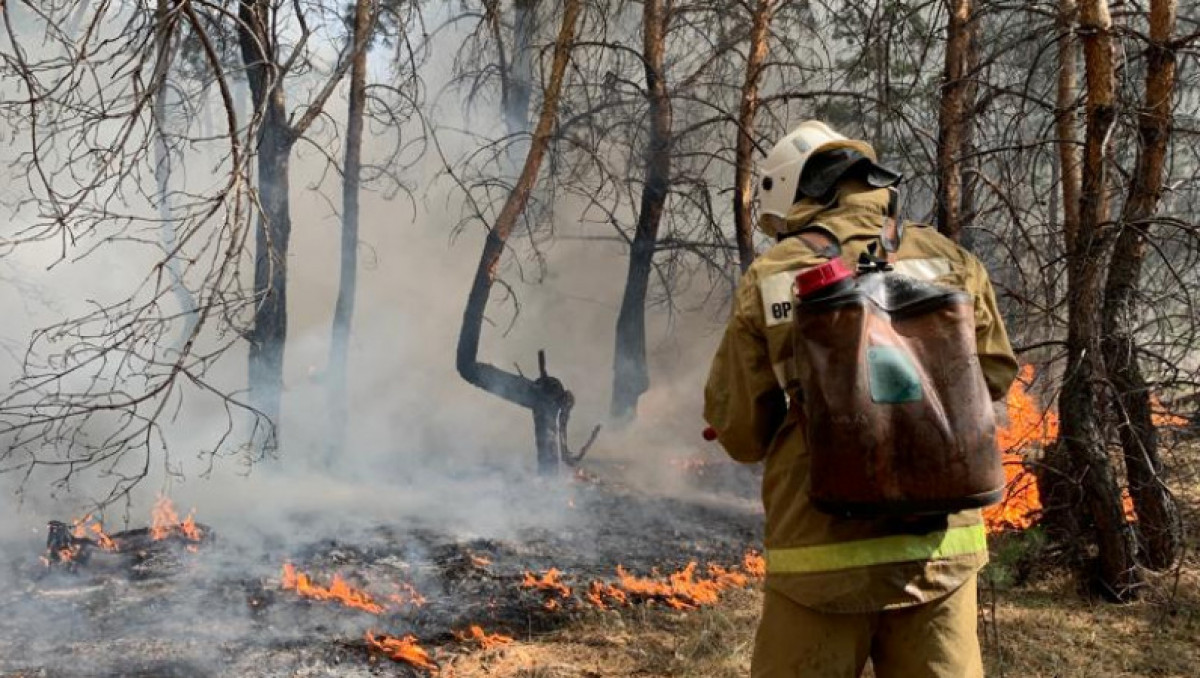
[
  {"x": 338, "y": 591},
  {"x": 485, "y": 640},
  {"x": 407, "y": 595},
  {"x": 403, "y": 649}
]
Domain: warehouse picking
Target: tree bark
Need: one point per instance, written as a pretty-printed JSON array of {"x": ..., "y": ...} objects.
[
  {"x": 953, "y": 117},
  {"x": 1158, "y": 516},
  {"x": 1079, "y": 404},
  {"x": 544, "y": 395},
  {"x": 743, "y": 190},
  {"x": 1064, "y": 122},
  {"x": 1061, "y": 495},
  {"x": 274, "y": 228},
  {"x": 630, "y": 375},
  {"x": 343, "y": 311},
  {"x": 276, "y": 135}
]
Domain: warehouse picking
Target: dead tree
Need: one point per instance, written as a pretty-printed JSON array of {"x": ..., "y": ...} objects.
[
  {"x": 631, "y": 376},
  {"x": 954, "y": 115},
  {"x": 1080, "y": 405},
  {"x": 1158, "y": 517},
  {"x": 364, "y": 18},
  {"x": 545, "y": 396},
  {"x": 268, "y": 64}
]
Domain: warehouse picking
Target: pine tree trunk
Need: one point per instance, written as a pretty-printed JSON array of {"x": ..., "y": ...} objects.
[
  {"x": 274, "y": 225},
  {"x": 343, "y": 311},
  {"x": 743, "y": 189},
  {"x": 1061, "y": 496},
  {"x": 630, "y": 374},
  {"x": 953, "y": 117},
  {"x": 1158, "y": 516},
  {"x": 1080, "y": 406}
]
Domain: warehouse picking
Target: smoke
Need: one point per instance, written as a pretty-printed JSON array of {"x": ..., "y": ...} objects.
[{"x": 422, "y": 442}]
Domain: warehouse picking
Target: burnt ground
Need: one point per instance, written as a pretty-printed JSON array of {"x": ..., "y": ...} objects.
[{"x": 164, "y": 611}]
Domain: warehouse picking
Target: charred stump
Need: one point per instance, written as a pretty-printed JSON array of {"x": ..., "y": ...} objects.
[{"x": 546, "y": 396}]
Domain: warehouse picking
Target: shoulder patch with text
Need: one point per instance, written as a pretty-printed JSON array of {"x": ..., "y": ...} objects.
[{"x": 778, "y": 297}]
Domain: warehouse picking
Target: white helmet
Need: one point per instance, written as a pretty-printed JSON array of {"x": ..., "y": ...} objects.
[{"x": 780, "y": 170}]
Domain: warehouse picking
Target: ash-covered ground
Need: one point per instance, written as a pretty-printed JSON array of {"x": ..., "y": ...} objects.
[{"x": 222, "y": 610}]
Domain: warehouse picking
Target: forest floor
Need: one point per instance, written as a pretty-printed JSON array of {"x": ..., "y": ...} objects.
[
  {"x": 215, "y": 609},
  {"x": 1043, "y": 626},
  {"x": 1047, "y": 630}
]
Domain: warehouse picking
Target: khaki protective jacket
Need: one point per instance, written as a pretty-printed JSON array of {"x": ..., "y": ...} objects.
[{"x": 820, "y": 561}]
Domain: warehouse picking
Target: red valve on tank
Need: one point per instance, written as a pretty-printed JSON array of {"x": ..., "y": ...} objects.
[{"x": 818, "y": 281}]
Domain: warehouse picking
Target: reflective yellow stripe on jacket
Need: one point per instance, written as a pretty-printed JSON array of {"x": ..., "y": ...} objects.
[{"x": 956, "y": 541}]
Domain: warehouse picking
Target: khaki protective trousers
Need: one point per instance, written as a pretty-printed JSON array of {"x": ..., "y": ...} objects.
[{"x": 934, "y": 640}]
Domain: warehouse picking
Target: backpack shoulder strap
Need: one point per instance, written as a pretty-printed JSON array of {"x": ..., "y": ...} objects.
[
  {"x": 890, "y": 237},
  {"x": 820, "y": 240},
  {"x": 893, "y": 226}
]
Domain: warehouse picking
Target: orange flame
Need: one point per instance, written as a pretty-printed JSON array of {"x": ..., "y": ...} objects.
[
  {"x": 754, "y": 564},
  {"x": 403, "y": 649},
  {"x": 485, "y": 640},
  {"x": 602, "y": 595},
  {"x": 164, "y": 521},
  {"x": 1029, "y": 427},
  {"x": 338, "y": 591},
  {"x": 550, "y": 582},
  {"x": 681, "y": 590},
  {"x": 80, "y": 528}
]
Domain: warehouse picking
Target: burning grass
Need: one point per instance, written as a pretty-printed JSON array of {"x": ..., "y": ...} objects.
[
  {"x": 683, "y": 589},
  {"x": 338, "y": 591},
  {"x": 405, "y": 649},
  {"x": 71, "y": 547}
]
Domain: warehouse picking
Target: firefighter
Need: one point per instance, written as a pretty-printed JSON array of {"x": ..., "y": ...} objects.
[{"x": 842, "y": 590}]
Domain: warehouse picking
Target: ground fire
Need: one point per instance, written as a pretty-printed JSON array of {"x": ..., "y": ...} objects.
[
  {"x": 70, "y": 546},
  {"x": 403, "y": 649},
  {"x": 338, "y": 591},
  {"x": 680, "y": 590},
  {"x": 487, "y": 641}
]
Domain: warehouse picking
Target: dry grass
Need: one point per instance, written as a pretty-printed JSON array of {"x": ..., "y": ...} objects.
[{"x": 1045, "y": 629}]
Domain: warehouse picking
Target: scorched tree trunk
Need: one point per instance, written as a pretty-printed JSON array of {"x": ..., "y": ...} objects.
[{"x": 631, "y": 377}]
